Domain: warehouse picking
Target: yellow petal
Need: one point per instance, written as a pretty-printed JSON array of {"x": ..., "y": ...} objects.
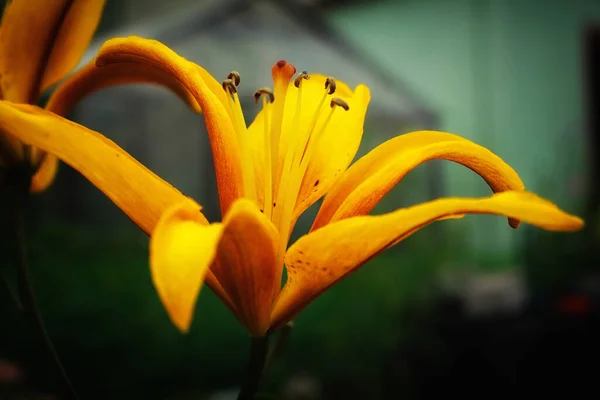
[
  {"x": 182, "y": 248},
  {"x": 41, "y": 41},
  {"x": 245, "y": 264},
  {"x": 338, "y": 143},
  {"x": 136, "y": 190},
  {"x": 323, "y": 257},
  {"x": 91, "y": 78},
  {"x": 336, "y": 149},
  {"x": 205, "y": 89},
  {"x": 368, "y": 180},
  {"x": 45, "y": 174}
]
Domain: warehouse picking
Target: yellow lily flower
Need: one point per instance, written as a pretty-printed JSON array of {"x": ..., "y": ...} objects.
[
  {"x": 297, "y": 149},
  {"x": 41, "y": 41}
]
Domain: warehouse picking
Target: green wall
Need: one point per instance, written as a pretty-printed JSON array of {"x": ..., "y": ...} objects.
[{"x": 505, "y": 74}]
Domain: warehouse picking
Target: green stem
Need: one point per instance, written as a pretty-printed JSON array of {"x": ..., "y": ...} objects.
[
  {"x": 258, "y": 358},
  {"x": 26, "y": 292}
]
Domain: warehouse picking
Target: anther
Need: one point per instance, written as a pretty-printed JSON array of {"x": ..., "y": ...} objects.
[
  {"x": 330, "y": 84},
  {"x": 336, "y": 101},
  {"x": 235, "y": 77},
  {"x": 264, "y": 92},
  {"x": 302, "y": 75},
  {"x": 229, "y": 86}
]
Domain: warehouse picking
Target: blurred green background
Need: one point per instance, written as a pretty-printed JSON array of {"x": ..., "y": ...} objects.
[{"x": 458, "y": 303}]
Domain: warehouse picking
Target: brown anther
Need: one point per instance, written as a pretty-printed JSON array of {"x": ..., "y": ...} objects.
[
  {"x": 336, "y": 101},
  {"x": 298, "y": 80},
  {"x": 330, "y": 84},
  {"x": 235, "y": 77},
  {"x": 229, "y": 86},
  {"x": 264, "y": 92}
]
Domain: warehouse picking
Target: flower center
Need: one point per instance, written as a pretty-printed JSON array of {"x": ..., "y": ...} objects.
[{"x": 280, "y": 195}]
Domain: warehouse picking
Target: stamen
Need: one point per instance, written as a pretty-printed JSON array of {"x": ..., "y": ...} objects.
[
  {"x": 239, "y": 124},
  {"x": 336, "y": 101},
  {"x": 266, "y": 92},
  {"x": 229, "y": 86},
  {"x": 268, "y": 98},
  {"x": 330, "y": 84},
  {"x": 302, "y": 75},
  {"x": 235, "y": 77}
]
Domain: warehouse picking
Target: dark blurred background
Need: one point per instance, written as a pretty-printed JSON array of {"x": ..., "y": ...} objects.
[{"x": 465, "y": 307}]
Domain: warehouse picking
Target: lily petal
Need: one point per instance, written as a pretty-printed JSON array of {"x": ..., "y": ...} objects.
[
  {"x": 245, "y": 264},
  {"x": 142, "y": 195},
  {"x": 92, "y": 78},
  {"x": 182, "y": 248},
  {"x": 208, "y": 93},
  {"x": 323, "y": 257},
  {"x": 41, "y": 41},
  {"x": 368, "y": 180}
]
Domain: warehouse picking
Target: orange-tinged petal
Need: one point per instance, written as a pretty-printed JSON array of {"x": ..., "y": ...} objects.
[
  {"x": 368, "y": 180},
  {"x": 136, "y": 190},
  {"x": 92, "y": 78},
  {"x": 208, "y": 93},
  {"x": 44, "y": 176},
  {"x": 323, "y": 257},
  {"x": 245, "y": 264},
  {"x": 41, "y": 41},
  {"x": 182, "y": 248}
]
